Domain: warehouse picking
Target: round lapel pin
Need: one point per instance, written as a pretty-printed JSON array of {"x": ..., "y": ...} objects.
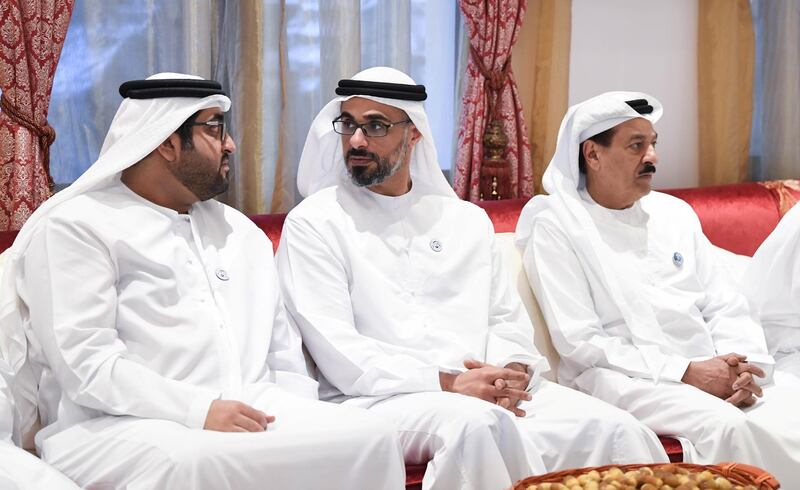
[{"x": 677, "y": 259}]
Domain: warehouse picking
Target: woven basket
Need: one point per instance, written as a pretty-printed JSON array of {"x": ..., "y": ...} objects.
[{"x": 736, "y": 473}]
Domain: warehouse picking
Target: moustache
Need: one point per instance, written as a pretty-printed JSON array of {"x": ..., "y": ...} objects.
[
  {"x": 356, "y": 152},
  {"x": 649, "y": 168}
]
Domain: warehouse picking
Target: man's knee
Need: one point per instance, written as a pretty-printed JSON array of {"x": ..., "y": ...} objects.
[
  {"x": 477, "y": 418},
  {"x": 727, "y": 422},
  {"x": 611, "y": 420},
  {"x": 182, "y": 458},
  {"x": 371, "y": 430}
]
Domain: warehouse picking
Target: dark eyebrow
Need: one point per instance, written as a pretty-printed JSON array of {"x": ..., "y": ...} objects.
[
  {"x": 376, "y": 117},
  {"x": 368, "y": 117},
  {"x": 641, "y": 136},
  {"x": 216, "y": 117}
]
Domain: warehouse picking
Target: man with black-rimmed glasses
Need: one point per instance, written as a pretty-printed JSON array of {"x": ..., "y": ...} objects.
[{"x": 400, "y": 295}]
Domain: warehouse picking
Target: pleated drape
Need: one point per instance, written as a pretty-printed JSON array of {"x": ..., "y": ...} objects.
[
  {"x": 32, "y": 34},
  {"x": 725, "y": 64},
  {"x": 776, "y": 153},
  {"x": 541, "y": 65}
]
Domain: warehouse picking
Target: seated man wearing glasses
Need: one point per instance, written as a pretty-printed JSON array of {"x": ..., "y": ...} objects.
[
  {"x": 399, "y": 293},
  {"x": 163, "y": 351}
]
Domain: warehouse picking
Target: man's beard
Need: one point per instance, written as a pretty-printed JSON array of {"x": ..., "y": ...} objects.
[
  {"x": 195, "y": 173},
  {"x": 366, "y": 175}
]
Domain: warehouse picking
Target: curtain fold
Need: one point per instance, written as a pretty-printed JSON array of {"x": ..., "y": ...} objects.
[
  {"x": 491, "y": 94},
  {"x": 245, "y": 44},
  {"x": 32, "y": 34},
  {"x": 775, "y": 152},
  {"x": 541, "y": 66},
  {"x": 725, "y": 65}
]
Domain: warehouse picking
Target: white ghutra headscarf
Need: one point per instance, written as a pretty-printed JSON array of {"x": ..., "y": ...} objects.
[
  {"x": 138, "y": 127},
  {"x": 322, "y": 162}
]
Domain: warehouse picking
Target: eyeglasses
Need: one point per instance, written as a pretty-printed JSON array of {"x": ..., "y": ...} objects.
[
  {"x": 371, "y": 129},
  {"x": 216, "y": 125}
]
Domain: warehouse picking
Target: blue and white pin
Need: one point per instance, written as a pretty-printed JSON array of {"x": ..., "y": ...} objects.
[{"x": 677, "y": 259}]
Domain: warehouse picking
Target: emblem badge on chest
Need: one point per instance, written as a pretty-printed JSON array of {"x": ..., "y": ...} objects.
[
  {"x": 222, "y": 274},
  {"x": 677, "y": 259},
  {"x": 436, "y": 245}
]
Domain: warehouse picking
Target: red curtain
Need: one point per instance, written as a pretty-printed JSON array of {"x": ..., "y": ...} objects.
[
  {"x": 493, "y": 27},
  {"x": 32, "y": 33}
]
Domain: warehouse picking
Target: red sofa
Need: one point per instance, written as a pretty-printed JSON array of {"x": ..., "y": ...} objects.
[{"x": 735, "y": 217}]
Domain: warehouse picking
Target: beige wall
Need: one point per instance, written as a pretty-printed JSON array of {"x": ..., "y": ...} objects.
[{"x": 649, "y": 46}]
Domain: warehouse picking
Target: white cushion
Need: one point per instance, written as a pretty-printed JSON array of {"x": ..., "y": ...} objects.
[{"x": 516, "y": 275}]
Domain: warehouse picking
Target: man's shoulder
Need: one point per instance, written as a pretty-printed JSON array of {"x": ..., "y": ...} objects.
[
  {"x": 96, "y": 205},
  {"x": 461, "y": 206},
  {"x": 546, "y": 218},
  {"x": 470, "y": 212},
  {"x": 669, "y": 212},
  {"x": 666, "y": 203},
  {"x": 223, "y": 213},
  {"x": 96, "y": 216},
  {"x": 319, "y": 206}
]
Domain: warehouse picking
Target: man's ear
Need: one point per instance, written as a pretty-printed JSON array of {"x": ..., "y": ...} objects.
[
  {"x": 590, "y": 149},
  {"x": 415, "y": 135},
  {"x": 170, "y": 148}
]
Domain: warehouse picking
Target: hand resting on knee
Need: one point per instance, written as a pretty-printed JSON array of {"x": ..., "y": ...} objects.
[
  {"x": 235, "y": 416},
  {"x": 504, "y": 386},
  {"x": 729, "y": 377}
]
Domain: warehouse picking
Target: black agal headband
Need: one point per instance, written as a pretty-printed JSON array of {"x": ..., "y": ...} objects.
[
  {"x": 640, "y": 105},
  {"x": 398, "y": 91},
  {"x": 170, "y": 87}
]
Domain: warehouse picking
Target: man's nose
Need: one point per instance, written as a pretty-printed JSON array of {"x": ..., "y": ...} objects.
[
  {"x": 229, "y": 145},
  {"x": 358, "y": 139},
  {"x": 651, "y": 155}
]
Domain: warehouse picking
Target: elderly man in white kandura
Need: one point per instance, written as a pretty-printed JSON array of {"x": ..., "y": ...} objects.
[
  {"x": 398, "y": 290},
  {"x": 156, "y": 332},
  {"x": 637, "y": 300}
]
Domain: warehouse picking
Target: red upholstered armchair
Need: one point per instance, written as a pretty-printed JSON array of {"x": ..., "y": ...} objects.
[{"x": 735, "y": 217}]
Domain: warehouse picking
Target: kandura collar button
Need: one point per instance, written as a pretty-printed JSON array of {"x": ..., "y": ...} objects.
[
  {"x": 677, "y": 259},
  {"x": 222, "y": 274},
  {"x": 436, "y": 245}
]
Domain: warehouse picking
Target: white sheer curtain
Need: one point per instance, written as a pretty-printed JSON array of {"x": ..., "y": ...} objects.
[
  {"x": 279, "y": 59},
  {"x": 327, "y": 41},
  {"x": 776, "y": 110},
  {"x": 111, "y": 42}
]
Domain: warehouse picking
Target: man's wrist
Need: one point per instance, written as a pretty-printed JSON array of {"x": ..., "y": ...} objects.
[
  {"x": 517, "y": 366},
  {"x": 687, "y": 374},
  {"x": 446, "y": 381}
]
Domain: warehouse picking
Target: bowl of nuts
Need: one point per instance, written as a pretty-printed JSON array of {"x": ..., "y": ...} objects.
[{"x": 674, "y": 476}]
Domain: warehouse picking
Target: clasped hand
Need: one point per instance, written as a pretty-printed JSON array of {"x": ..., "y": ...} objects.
[
  {"x": 503, "y": 386},
  {"x": 235, "y": 416},
  {"x": 729, "y": 377}
]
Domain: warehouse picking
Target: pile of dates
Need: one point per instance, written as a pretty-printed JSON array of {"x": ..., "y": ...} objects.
[{"x": 663, "y": 477}]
